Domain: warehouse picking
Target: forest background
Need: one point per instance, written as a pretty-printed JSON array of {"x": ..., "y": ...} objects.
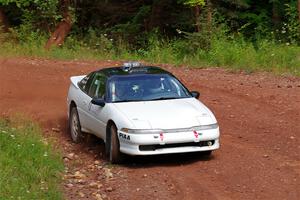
[{"x": 239, "y": 34}]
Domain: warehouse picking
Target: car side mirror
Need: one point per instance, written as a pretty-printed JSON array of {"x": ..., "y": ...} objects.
[
  {"x": 195, "y": 94},
  {"x": 98, "y": 102}
]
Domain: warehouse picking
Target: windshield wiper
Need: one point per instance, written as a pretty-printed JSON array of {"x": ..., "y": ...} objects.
[
  {"x": 163, "y": 98},
  {"x": 126, "y": 100},
  {"x": 156, "y": 99}
]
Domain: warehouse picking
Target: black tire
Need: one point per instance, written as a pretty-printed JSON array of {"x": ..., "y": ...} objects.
[
  {"x": 74, "y": 126},
  {"x": 115, "y": 156}
]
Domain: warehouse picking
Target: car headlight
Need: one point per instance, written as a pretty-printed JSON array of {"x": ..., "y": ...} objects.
[
  {"x": 206, "y": 127},
  {"x": 141, "y": 131}
]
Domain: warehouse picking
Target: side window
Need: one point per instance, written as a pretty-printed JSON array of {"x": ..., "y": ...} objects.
[
  {"x": 85, "y": 83},
  {"x": 97, "y": 88}
]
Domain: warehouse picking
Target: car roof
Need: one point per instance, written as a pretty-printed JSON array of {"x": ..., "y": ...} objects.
[{"x": 120, "y": 71}]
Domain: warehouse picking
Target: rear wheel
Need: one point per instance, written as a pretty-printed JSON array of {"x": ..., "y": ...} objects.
[
  {"x": 75, "y": 128},
  {"x": 115, "y": 156}
]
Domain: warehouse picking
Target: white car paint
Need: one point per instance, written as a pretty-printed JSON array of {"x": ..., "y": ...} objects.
[
  {"x": 175, "y": 117},
  {"x": 166, "y": 114}
]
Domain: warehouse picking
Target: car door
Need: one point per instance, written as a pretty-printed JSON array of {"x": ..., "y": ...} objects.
[
  {"x": 83, "y": 100},
  {"x": 97, "y": 114}
]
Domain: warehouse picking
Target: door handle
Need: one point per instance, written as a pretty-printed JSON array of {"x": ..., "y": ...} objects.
[{"x": 90, "y": 105}]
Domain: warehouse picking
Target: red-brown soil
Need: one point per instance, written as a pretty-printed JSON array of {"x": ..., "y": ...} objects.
[{"x": 259, "y": 117}]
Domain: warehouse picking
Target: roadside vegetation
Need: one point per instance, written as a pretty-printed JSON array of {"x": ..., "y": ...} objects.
[
  {"x": 29, "y": 168},
  {"x": 236, "y": 54},
  {"x": 239, "y": 35}
]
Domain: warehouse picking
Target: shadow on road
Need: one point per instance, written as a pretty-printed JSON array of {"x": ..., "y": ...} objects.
[{"x": 164, "y": 160}]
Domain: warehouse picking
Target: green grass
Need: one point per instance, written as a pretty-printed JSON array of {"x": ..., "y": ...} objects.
[
  {"x": 268, "y": 56},
  {"x": 29, "y": 168},
  {"x": 235, "y": 54}
]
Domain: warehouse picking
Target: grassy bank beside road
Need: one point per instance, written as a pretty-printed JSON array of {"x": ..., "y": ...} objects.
[
  {"x": 235, "y": 54},
  {"x": 29, "y": 168}
]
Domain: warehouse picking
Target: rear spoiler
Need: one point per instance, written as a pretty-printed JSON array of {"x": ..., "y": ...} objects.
[{"x": 76, "y": 79}]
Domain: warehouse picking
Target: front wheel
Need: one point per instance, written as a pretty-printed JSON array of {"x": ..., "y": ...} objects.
[
  {"x": 75, "y": 127},
  {"x": 115, "y": 156}
]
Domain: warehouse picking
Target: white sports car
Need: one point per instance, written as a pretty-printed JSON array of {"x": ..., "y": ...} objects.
[{"x": 140, "y": 110}]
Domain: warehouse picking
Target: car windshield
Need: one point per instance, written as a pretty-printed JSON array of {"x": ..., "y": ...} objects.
[{"x": 146, "y": 87}]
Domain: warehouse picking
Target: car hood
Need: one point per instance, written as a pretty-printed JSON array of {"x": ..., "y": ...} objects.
[{"x": 166, "y": 114}]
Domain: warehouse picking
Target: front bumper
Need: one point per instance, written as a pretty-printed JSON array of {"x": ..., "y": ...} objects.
[{"x": 167, "y": 143}]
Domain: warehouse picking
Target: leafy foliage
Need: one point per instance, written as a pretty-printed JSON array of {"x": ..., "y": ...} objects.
[
  {"x": 292, "y": 25},
  {"x": 192, "y": 3},
  {"x": 133, "y": 20},
  {"x": 211, "y": 32},
  {"x": 34, "y": 13}
]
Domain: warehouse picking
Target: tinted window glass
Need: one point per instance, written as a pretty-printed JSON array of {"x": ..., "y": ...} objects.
[
  {"x": 146, "y": 87},
  {"x": 97, "y": 88},
  {"x": 85, "y": 82}
]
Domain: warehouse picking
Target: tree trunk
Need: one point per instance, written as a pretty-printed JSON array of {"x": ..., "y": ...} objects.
[
  {"x": 209, "y": 14},
  {"x": 157, "y": 11},
  {"x": 197, "y": 18},
  {"x": 299, "y": 10},
  {"x": 63, "y": 28},
  {"x": 3, "y": 21},
  {"x": 275, "y": 14}
]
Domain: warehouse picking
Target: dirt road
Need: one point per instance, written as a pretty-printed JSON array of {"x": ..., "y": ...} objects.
[{"x": 259, "y": 117}]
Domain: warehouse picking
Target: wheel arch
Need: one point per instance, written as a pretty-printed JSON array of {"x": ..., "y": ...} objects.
[{"x": 72, "y": 105}]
